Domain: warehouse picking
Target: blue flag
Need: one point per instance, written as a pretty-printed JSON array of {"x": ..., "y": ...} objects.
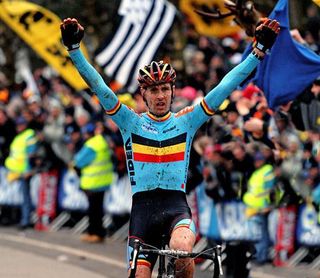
[{"x": 289, "y": 68}]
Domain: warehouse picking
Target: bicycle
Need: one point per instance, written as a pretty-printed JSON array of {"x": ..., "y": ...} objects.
[{"x": 169, "y": 271}]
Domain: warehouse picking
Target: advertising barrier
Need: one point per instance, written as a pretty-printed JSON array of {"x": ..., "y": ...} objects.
[
  {"x": 117, "y": 199},
  {"x": 285, "y": 235},
  {"x": 308, "y": 229},
  {"x": 70, "y": 197},
  {"x": 46, "y": 208},
  {"x": 224, "y": 220},
  {"x": 221, "y": 221},
  {"x": 10, "y": 192}
]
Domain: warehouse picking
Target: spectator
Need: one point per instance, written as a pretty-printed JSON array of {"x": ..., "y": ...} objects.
[
  {"x": 281, "y": 129},
  {"x": 18, "y": 165},
  {"x": 243, "y": 164},
  {"x": 73, "y": 136},
  {"x": 38, "y": 114},
  {"x": 257, "y": 200},
  {"x": 94, "y": 160},
  {"x": 54, "y": 126},
  {"x": 234, "y": 121},
  {"x": 310, "y": 107},
  {"x": 310, "y": 169}
]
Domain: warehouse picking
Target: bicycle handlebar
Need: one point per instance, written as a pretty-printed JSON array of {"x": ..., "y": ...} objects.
[
  {"x": 215, "y": 256},
  {"x": 179, "y": 254}
]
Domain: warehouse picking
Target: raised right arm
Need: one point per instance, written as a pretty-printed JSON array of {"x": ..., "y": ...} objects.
[
  {"x": 72, "y": 33},
  {"x": 106, "y": 96}
]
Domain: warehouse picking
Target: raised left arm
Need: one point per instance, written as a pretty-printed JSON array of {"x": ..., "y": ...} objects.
[{"x": 266, "y": 34}]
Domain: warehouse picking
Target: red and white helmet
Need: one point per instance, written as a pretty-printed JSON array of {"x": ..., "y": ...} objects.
[{"x": 156, "y": 73}]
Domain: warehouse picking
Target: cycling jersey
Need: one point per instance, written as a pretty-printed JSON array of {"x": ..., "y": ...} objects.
[{"x": 158, "y": 149}]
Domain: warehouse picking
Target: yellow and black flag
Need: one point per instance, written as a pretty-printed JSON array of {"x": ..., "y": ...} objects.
[
  {"x": 212, "y": 28},
  {"x": 40, "y": 28},
  {"x": 317, "y": 2}
]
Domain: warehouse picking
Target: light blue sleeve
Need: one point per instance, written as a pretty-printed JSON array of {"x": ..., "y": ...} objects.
[
  {"x": 230, "y": 82},
  {"x": 31, "y": 145},
  {"x": 198, "y": 114},
  {"x": 84, "y": 157},
  {"x": 316, "y": 194},
  {"x": 122, "y": 116},
  {"x": 106, "y": 96},
  {"x": 269, "y": 180}
]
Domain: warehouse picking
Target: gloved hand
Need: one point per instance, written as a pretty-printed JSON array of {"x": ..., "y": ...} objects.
[
  {"x": 266, "y": 34},
  {"x": 72, "y": 33}
]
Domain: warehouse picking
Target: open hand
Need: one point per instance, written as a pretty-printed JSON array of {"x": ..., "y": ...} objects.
[{"x": 266, "y": 34}]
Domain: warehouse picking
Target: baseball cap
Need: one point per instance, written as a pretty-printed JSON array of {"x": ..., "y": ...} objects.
[
  {"x": 21, "y": 121},
  {"x": 88, "y": 128},
  {"x": 259, "y": 156}
]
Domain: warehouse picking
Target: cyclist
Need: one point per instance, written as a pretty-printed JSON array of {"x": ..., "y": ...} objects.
[{"x": 157, "y": 143}]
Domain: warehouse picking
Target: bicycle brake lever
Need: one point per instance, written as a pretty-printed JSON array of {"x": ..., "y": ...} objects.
[
  {"x": 218, "y": 253},
  {"x": 135, "y": 253}
]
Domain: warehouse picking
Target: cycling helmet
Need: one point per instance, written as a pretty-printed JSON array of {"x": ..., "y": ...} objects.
[{"x": 156, "y": 73}]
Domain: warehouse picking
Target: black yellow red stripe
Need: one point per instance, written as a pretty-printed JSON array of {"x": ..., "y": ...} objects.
[
  {"x": 206, "y": 108},
  {"x": 159, "y": 151},
  {"x": 149, "y": 150},
  {"x": 142, "y": 262},
  {"x": 114, "y": 110},
  {"x": 161, "y": 119}
]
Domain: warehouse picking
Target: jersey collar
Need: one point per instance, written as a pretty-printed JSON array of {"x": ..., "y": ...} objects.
[{"x": 161, "y": 119}]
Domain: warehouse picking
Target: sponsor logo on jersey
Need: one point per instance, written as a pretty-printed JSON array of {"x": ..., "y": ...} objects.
[
  {"x": 149, "y": 128},
  {"x": 170, "y": 129},
  {"x": 130, "y": 164}
]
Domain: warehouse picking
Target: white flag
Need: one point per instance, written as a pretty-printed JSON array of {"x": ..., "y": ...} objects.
[{"x": 143, "y": 27}]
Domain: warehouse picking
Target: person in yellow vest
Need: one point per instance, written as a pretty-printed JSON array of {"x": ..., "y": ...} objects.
[
  {"x": 94, "y": 161},
  {"x": 19, "y": 168},
  {"x": 257, "y": 199}
]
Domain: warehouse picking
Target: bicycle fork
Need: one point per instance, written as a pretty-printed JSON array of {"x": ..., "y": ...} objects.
[{"x": 171, "y": 269}]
